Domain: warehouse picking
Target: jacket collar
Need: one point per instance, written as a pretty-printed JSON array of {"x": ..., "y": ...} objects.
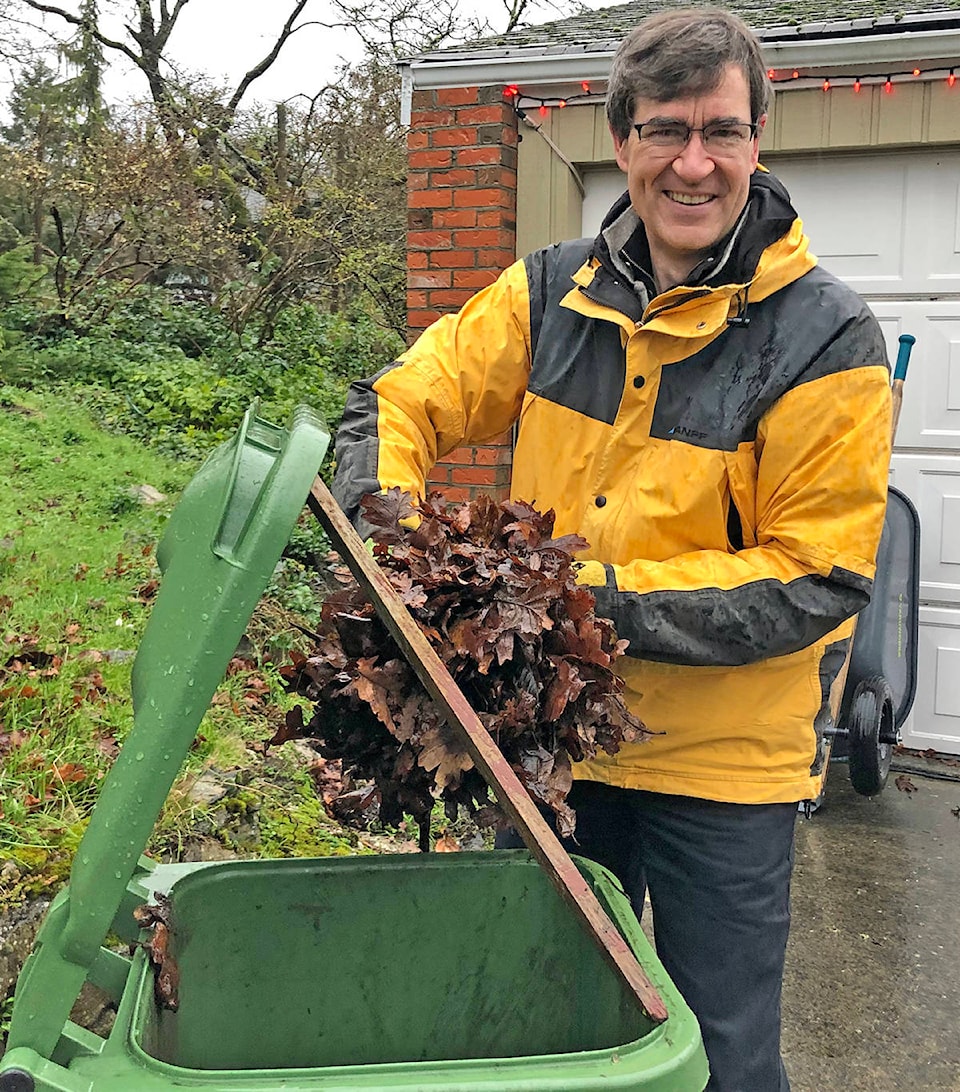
[{"x": 623, "y": 278}]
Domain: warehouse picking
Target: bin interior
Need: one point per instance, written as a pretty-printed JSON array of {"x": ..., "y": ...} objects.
[{"x": 306, "y": 964}]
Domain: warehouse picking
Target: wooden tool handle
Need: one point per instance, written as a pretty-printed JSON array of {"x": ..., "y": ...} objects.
[{"x": 513, "y": 798}]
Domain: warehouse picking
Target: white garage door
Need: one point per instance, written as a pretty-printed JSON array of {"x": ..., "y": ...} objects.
[{"x": 889, "y": 225}]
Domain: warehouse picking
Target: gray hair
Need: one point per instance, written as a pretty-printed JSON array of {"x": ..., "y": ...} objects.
[{"x": 676, "y": 54}]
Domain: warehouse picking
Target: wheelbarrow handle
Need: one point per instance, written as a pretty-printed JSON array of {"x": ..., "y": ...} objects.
[{"x": 907, "y": 341}]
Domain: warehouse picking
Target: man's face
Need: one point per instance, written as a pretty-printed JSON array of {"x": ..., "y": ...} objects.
[{"x": 689, "y": 199}]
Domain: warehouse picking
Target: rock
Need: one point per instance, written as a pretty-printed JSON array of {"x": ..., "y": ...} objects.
[
  {"x": 9, "y": 873},
  {"x": 146, "y": 494},
  {"x": 119, "y": 655},
  {"x": 202, "y": 850},
  {"x": 18, "y": 930},
  {"x": 208, "y": 788},
  {"x": 302, "y": 749}
]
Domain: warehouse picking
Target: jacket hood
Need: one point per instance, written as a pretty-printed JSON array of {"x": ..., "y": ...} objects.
[{"x": 625, "y": 277}]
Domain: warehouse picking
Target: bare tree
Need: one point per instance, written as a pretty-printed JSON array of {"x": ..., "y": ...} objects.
[
  {"x": 391, "y": 29},
  {"x": 148, "y": 27}
]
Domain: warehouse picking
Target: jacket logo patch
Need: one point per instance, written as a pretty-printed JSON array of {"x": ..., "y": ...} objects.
[{"x": 679, "y": 430}]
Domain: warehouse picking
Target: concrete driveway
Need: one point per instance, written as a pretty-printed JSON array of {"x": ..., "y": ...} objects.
[{"x": 872, "y": 989}]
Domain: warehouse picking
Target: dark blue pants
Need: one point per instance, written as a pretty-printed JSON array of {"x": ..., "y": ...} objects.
[{"x": 719, "y": 882}]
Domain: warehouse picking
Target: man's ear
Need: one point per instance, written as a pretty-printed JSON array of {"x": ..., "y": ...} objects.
[
  {"x": 761, "y": 122},
  {"x": 619, "y": 150}
]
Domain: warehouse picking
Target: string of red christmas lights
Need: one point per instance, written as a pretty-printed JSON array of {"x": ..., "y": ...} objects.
[
  {"x": 776, "y": 76},
  {"x": 512, "y": 91},
  {"x": 857, "y": 82}
]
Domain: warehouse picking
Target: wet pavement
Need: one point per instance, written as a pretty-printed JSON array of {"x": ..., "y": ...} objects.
[{"x": 872, "y": 987}]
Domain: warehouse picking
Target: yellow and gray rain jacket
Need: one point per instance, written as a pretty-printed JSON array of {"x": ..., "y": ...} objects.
[{"x": 723, "y": 447}]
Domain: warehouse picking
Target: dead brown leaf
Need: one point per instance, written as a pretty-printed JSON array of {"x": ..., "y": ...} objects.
[
  {"x": 147, "y": 591},
  {"x": 69, "y": 771},
  {"x": 9, "y": 741},
  {"x": 292, "y": 727},
  {"x": 327, "y": 777},
  {"x": 108, "y": 747},
  {"x": 166, "y": 974},
  {"x": 442, "y": 750}
]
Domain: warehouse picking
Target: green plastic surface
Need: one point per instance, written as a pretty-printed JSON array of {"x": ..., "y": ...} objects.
[{"x": 424, "y": 972}]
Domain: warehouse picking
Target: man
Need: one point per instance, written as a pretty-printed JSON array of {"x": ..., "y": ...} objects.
[{"x": 710, "y": 410}]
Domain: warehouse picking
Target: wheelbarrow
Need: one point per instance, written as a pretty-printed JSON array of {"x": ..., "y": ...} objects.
[
  {"x": 423, "y": 972},
  {"x": 879, "y": 679}
]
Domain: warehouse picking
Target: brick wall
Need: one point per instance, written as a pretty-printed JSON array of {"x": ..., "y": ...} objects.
[{"x": 462, "y": 232}]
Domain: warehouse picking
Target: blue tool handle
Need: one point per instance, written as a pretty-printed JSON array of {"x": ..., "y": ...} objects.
[{"x": 903, "y": 356}]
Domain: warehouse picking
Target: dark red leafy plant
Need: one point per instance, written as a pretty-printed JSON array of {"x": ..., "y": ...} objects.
[{"x": 496, "y": 596}]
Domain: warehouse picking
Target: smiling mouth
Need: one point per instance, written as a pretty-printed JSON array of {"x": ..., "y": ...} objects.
[{"x": 689, "y": 198}]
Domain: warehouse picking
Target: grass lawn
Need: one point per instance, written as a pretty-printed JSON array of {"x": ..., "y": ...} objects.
[{"x": 77, "y": 576}]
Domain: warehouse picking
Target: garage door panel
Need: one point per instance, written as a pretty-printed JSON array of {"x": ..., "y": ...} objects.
[
  {"x": 857, "y": 234},
  {"x": 935, "y": 251},
  {"x": 930, "y": 417},
  {"x": 933, "y": 484},
  {"x": 602, "y": 187},
  {"x": 886, "y": 225},
  {"x": 934, "y": 721}
]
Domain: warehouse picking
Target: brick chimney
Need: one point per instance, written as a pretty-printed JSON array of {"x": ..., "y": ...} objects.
[{"x": 461, "y": 233}]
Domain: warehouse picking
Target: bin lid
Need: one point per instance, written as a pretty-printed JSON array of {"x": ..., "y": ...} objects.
[{"x": 217, "y": 554}]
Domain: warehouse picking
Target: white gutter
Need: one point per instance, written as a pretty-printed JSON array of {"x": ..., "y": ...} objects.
[
  {"x": 540, "y": 72},
  {"x": 525, "y": 68},
  {"x": 406, "y": 93}
]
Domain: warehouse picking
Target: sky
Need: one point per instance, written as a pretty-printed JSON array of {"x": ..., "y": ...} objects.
[{"x": 225, "y": 38}]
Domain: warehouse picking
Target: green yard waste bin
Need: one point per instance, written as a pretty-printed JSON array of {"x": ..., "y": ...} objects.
[{"x": 418, "y": 972}]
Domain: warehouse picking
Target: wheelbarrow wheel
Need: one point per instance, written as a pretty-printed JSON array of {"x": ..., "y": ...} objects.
[{"x": 871, "y": 735}]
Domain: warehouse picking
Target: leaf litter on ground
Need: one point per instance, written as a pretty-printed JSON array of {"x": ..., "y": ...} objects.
[{"x": 496, "y": 595}]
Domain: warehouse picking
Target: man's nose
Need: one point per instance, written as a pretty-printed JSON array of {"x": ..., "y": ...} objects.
[{"x": 694, "y": 163}]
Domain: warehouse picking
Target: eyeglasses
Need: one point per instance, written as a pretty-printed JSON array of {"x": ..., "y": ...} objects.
[{"x": 719, "y": 137}]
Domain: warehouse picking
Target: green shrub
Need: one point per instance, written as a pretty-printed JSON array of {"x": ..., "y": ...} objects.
[
  {"x": 173, "y": 375},
  {"x": 345, "y": 347},
  {"x": 19, "y": 277}
]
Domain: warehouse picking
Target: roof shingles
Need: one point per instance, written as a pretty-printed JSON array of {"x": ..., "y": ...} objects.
[{"x": 600, "y": 30}]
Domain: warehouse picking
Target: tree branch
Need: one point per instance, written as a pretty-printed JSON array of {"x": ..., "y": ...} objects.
[
  {"x": 259, "y": 69},
  {"x": 75, "y": 20},
  {"x": 51, "y": 10},
  {"x": 249, "y": 166}
]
